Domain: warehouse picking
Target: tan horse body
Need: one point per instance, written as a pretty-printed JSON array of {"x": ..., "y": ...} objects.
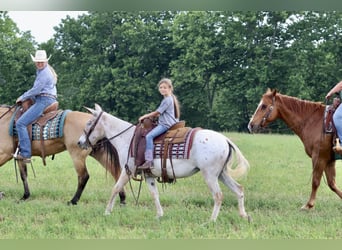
[
  {"x": 73, "y": 127},
  {"x": 305, "y": 119}
]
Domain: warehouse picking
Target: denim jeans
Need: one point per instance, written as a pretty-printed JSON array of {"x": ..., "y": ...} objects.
[
  {"x": 34, "y": 112},
  {"x": 153, "y": 134},
  {"x": 337, "y": 117}
]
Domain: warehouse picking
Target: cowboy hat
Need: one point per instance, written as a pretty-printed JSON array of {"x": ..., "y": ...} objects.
[{"x": 40, "y": 56}]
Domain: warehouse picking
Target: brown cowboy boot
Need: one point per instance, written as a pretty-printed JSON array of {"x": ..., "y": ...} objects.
[
  {"x": 149, "y": 160},
  {"x": 146, "y": 165}
]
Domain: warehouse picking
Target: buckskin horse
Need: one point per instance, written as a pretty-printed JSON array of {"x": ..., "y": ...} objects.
[
  {"x": 73, "y": 125},
  {"x": 211, "y": 153},
  {"x": 305, "y": 119}
]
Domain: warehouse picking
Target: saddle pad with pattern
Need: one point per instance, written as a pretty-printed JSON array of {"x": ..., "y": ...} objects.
[
  {"x": 53, "y": 128},
  {"x": 180, "y": 149}
]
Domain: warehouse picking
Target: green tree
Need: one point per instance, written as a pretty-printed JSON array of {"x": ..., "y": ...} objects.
[{"x": 16, "y": 67}]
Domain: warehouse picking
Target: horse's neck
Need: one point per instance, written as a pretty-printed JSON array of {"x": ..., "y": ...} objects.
[
  {"x": 120, "y": 134},
  {"x": 299, "y": 115}
]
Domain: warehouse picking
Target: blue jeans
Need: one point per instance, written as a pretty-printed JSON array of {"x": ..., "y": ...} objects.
[
  {"x": 337, "y": 117},
  {"x": 34, "y": 112},
  {"x": 153, "y": 134}
]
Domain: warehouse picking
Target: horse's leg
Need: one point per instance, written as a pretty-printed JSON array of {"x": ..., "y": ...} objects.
[
  {"x": 151, "y": 183},
  {"x": 214, "y": 187},
  {"x": 117, "y": 188},
  {"x": 237, "y": 189},
  {"x": 82, "y": 175},
  {"x": 330, "y": 172},
  {"x": 317, "y": 173},
  {"x": 102, "y": 156},
  {"x": 23, "y": 176}
]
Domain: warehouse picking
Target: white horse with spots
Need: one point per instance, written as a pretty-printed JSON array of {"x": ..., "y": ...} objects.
[{"x": 211, "y": 154}]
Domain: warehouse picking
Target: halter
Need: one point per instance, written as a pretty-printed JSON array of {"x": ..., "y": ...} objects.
[
  {"x": 92, "y": 129},
  {"x": 268, "y": 113}
]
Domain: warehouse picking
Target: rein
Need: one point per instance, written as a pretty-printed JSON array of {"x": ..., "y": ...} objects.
[{"x": 8, "y": 110}]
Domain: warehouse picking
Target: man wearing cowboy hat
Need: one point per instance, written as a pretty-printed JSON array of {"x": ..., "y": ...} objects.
[{"x": 43, "y": 93}]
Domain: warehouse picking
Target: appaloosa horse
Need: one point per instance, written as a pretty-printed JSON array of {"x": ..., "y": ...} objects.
[
  {"x": 211, "y": 154},
  {"x": 305, "y": 119},
  {"x": 73, "y": 126}
]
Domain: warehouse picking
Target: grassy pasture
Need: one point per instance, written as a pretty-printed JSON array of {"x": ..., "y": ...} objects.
[{"x": 278, "y": 184}]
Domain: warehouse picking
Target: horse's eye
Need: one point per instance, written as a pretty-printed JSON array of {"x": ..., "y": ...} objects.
[{"x": 263, "y": 107}]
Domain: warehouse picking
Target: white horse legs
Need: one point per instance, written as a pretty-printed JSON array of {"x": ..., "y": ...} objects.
[
  {"x": 218, "y": 196},
  {"x": 124, "y": 178},
  {"x": 155, "y": 195},
  {"x": 237, "y": 189}
]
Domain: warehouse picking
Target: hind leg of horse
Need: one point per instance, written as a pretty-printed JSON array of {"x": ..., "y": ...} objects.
[
  {"x": 117, "y": 188},
  {"x": 237, "y": 189},
  {"x": 151, "y": 183},
  {"x": 214, "y": 187},
  {"x": 330, "y": 172},
  {"x": 316, "y": 181},
  {"x": 23, "y": 176}
]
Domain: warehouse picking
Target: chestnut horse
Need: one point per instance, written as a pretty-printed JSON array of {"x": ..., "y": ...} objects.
[
  {"x": 72, "y": 130},
  {"x": 305, "y": 119}
]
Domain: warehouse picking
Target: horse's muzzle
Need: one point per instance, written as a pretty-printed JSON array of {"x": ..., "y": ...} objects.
[{"x": 82, "y": 144}]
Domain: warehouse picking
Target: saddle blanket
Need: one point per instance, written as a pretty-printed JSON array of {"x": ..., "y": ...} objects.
[
  {"x": 53, "y": 128},
  {"x": 176, "y": 150}
]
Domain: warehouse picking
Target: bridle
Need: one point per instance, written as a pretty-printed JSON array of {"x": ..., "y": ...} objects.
[
  {"x": 92, "y": 128},
  {"x": 268, "y": 113},
  {"x": 87, "y": 134}
]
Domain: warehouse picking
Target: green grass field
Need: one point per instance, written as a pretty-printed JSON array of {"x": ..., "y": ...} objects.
[{"x": 278, "y": 184}]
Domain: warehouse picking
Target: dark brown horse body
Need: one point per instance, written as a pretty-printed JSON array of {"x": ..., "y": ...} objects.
[
  {"x": 73, "y": 128},
  {"x": 305, "y": 119}
]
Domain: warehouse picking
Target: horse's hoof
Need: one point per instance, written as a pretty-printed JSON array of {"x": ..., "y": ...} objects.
[
  {"x": 249, "y": 219},
  {"x": 2, "y": 195},
  {"x": 106, "y": 213},
  {"x": 71, "y": 203},
  {"x": 306, "y": 207}
]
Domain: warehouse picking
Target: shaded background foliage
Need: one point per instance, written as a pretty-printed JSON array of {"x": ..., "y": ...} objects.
[{"x": 221, "y": 62}]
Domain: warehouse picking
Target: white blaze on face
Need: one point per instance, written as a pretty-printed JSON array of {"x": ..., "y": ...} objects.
[{"x": 259, "y": 105}]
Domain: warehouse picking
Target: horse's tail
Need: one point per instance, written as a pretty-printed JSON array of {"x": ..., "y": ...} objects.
[{"x": 242, "y": 165}]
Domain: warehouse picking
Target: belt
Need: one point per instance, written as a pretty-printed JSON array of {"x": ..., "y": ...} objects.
[{"x": 48, "y": 95}]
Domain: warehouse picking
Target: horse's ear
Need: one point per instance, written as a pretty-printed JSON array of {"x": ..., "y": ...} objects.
[
  {"x": 98, "y": 107},
  {"x": 274, "y": 92},
  {"x": 89, "y": 109}
]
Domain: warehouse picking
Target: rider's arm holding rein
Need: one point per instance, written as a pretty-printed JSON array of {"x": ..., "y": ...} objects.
[
  {"x": 152, "y": 114},
  {"x": 335, "y": 89}
]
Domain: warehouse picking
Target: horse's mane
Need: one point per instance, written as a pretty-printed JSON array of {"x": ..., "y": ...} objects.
[
  {"x": 112, "y": 160},
  {"x": 300, "y": 106}
]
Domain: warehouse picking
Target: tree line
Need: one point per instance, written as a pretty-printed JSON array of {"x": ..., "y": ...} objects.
[{"x": 220, "y": 62}]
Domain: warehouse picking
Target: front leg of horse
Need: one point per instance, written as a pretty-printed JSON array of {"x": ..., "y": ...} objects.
[
  {"x": 151, "y": 182},
  {"x": 117, "y": 189},
  {"x": 82, "y": 182},
  {"x": 23, "y": 176}
]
